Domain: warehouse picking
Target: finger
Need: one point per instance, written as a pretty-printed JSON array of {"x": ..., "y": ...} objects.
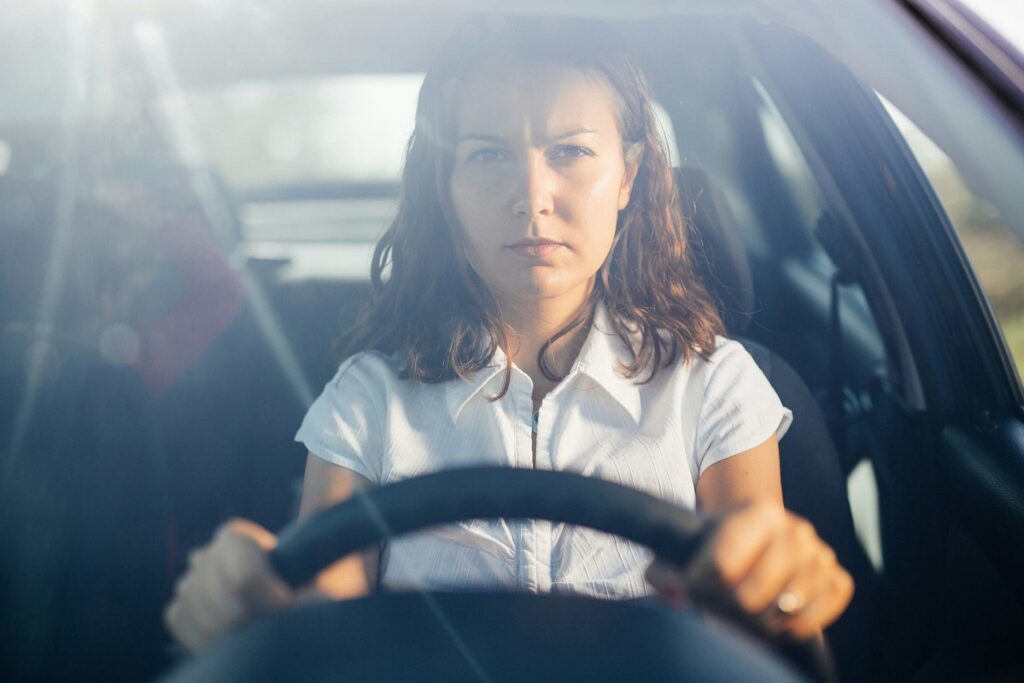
[
  {"x": 737, "y": 545},
  {"x": 179, "y": 628},
  {"x": 208, "y": 602},
  {"x": 264, "y": 539},
  {"x": 823, "y": 610},
  {"x": 257, "y": 588},
  {"x": 222, "y": 590},
  {"x": 783, "y": 559},
  {"x": 668, "y": 582},
  {"x": 664, "y": 577},
  {"x": 183, "y": 624},
  {"x": 212, "y": 589},
  {"x": 812, "y": 580},
  {"x": 246, "y": 545},
  {"x": 267, "y": 593}
]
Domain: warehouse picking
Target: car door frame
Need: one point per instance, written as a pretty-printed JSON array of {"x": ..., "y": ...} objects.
[{"x": 951, "y": 475}]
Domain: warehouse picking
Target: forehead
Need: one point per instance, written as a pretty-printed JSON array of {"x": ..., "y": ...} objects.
[{"x": 535, "y": 99}]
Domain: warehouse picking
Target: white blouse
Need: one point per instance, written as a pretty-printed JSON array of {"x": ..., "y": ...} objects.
[{"x": 658, "y": 437}]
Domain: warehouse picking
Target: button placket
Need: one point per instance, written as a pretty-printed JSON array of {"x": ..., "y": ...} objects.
[
  {"x": 545, "y": 461},
  {"x": 527, "y": 555},
  {"x": 543, "y": 527}
]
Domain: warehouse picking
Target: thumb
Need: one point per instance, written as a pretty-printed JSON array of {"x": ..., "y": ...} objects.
[
  {"x": 263, "y": 538},
  {"x": 262, "y": 589},
  {"x": 669, "y": 582}
]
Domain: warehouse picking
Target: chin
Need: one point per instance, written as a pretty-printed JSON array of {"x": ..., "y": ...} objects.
[{"x": 546, "y": 286}]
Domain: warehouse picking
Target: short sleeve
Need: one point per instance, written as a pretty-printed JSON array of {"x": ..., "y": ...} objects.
[
  {"x": 344, "y": 426},
  {"x": 740, "y": 408}
]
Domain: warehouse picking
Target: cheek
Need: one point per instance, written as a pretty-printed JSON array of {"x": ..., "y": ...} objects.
[
  {"x": 476, "y": 199},
  {"x": 466, "y": 202},
  {"x": 603, "y": 191},
  {"x": 475, "y": 210},
  {"x": 595, "y": 211}
]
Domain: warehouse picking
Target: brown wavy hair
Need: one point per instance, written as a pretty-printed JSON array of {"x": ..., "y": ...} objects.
[{"x": 433, "y": 313}]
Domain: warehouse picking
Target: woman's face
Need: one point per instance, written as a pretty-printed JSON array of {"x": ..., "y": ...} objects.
[{"x": 538, "y": 180}]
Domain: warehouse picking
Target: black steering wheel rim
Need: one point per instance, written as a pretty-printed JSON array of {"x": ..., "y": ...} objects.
[
  {"x": 267, "y": 649},
  {"x": 376, "y": 515}
]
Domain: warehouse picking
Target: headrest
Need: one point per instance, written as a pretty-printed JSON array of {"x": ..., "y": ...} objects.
[{"x": 719, "y": 256}]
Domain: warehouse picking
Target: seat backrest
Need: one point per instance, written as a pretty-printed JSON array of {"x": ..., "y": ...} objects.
[{"x": 719, "y": 254}]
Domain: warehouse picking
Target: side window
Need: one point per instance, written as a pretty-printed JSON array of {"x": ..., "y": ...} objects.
[{"x": 996, "y": 253}]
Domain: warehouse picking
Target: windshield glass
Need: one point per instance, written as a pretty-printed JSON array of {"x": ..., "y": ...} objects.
[{"x": 198, "y": 209}]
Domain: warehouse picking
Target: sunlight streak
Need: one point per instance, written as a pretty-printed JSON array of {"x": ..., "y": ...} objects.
[
  {"x": 80, "y": 21},
  {"x": 177, "y": 123}
]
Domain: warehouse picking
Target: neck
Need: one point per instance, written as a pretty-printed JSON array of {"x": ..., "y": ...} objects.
[{"x": 534, "y": 322}]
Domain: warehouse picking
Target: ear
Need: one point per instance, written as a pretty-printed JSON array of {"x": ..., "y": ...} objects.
[{"x": 632, "y": 155}]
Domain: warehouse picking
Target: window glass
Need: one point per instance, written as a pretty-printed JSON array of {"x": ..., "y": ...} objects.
[
  {"x": 996, "y": 253},
  {"x": 311, "y": 159},
  {"x": 344, "y": 129}
]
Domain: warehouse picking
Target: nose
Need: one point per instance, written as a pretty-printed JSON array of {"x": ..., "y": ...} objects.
[{"x": 534, "y": 192}]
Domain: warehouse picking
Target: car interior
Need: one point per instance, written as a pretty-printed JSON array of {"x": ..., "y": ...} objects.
[{"x": 197, "y": 317}]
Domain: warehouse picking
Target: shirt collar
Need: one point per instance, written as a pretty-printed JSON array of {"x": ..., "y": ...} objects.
[
  {"x": 600, "y": 359},
  {"x": 461, "y": 391}
]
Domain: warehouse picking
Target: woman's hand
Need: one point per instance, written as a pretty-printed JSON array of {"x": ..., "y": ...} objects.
[
  {"x": 766, "y": 567},
  {"x": 228, "y": 582}
]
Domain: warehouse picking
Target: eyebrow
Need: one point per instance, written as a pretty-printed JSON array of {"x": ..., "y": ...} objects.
[{"x": 498, "y": 139}]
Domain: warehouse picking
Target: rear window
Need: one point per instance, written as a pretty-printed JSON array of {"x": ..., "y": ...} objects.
[{"x": 264, "y": 134}]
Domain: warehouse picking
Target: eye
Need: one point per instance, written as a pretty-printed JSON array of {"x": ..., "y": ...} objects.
[
  {"x": 487, "y": 154},
  {"x": 571, "y": 152}
]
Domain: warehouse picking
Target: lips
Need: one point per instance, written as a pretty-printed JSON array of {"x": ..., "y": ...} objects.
[{"x": 537, "y": 248}]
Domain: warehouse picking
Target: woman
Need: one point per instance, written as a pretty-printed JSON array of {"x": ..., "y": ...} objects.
[{"x": 539, "y": 310}]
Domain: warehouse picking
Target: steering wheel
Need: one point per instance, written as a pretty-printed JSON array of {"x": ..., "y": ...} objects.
[{"x": 486, "y": 636}]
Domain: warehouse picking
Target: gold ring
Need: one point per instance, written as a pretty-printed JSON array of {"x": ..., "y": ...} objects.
[{"x": 790, "y": 602}]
